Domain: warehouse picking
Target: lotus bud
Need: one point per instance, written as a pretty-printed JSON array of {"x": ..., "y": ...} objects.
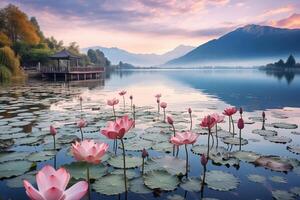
[
  {"x": 130, "y": 97},
  {"x": 170, "y": 120},
  {"x": 241, "y": 110},
  {"x": 263, "y": 115},
  {"x": 190, "y": 110},
  {"x": 241, "y": 123},
  {"x": 203, "y": 160},
  {"x": 53, "y": 130},
  {"x": 145, "y": 153}
]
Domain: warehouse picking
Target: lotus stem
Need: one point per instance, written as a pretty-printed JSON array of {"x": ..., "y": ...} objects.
[
  {"x": 158, "y": 108},
  {"x": 81, "y": 134},
  {"x": 187, "y": 160},
  {"x": 114, "y": 112},
  {"x": 54, "y": 145},
  {"x": 191, "y": 121},
  {"x": 134, "y": 115},
  {"x": 213, "y": 141},
  {"x": 217, "y": 135},
  {"x": 177, "y": 151},
  {"x": 124, "y": 165},
  {"x": 174, "y": 136},
  {"x": 240, "y": 139},
  {"x": 229, "y": 123},
  {"x": 54, "y": 160},
  {"x": 88, "y": 180},
  {"x": 263, "y": 125},
  {"x": 164, "y": 115},
  {"x": 232, "y": 126},
  {"x": 208, "y": 143},
  {"x": 124, "y": 102},
  {"x": 203, "y": 181},
  {"x": 131, "y": 104},
  {"x": 143, "y": 164},
  {"x": 115, "y": 146}
]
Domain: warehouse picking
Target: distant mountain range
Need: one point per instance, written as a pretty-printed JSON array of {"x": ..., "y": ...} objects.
[
  {"x": 260, "y": 43},
  {"x": 115, "y": 55}
]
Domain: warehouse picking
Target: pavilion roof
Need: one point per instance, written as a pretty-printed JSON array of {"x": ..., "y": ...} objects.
[{"x": 64, "y": 55}]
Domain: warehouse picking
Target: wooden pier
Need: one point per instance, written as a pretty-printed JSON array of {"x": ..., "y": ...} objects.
[{"x": 66, "y": 68}]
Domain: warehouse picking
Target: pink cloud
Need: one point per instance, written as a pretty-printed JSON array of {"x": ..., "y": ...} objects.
[{"x": 292, "y": 21}]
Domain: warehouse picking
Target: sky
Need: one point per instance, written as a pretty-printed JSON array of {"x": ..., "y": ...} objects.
[{"x": 153, "y": 26}]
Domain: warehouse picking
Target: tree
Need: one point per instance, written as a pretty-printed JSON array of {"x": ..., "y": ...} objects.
[
  {"x": 74, "y": 48},
  {"x": 98, "y": 58},
  {"x": 9, "y": 60},
  {"x": 36, "y": 25},
  {"x": 15, "y": 24},
  {"x": 53, "y": 44},
  {"x": 291, "y": 62},
  {"x": 92, "y": 56}
]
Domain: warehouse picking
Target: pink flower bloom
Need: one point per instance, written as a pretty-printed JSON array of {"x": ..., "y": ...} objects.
[
  {"x": 52, "y": 186},
  {"x": 217, "y": 117},
  {"x": 145, "y": 153},
  {"x": 81, "y": 123},
  {"x": 208, "y": 122},
  {"x": 158, "y": 96},
  {"x": 112, "y": 102},
  {"x": 241, "y": 123},
  {"x": 163, "y": 105},
  {"x": 53, "y": 130},
  {"x": 190, "y": 110},
  {"x": 203, "y": 160},
  {"x": 122, "y": 93},
  {"x": 117, "y": 129},
  {"x": 170, "y": 120},
  {"x": 230, "y": 111},
  {"x": 187, "y": 137},
  {"x": 89, "y": 151}
]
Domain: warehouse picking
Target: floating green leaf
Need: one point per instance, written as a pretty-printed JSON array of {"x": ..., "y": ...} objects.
[
  {"x": 221, "y": 181},
  {"x": 131, "y": 161},
  {"x": 110, "y": 184},
  {"x": 161, "y": 179}
]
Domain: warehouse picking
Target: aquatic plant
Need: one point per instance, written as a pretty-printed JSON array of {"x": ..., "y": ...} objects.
[
  {"x": 184, "y": 138},
  {"x": 52, "y": 185},
  {"x": 229, "y": 112},
  {"x": 240, "y": 126},
  {"x": 89, "y": 151},
  {"x": 131, "y": 99},
  {"x": 81, "y": 124},
  {"x": 122, "y": 93},
  {"x": 113, "y": 102},
  {"x": 158, "y": 96},
  {"x": 163, "y": 105},
  {"x": 171, "y": 122},
  {"x": 53, "y": 132},
  {"x": 263, "y": 120},
  {"x": 80, "y": 102},
  {"x": 219, "y": 119},
  {"x": 145, "y": 154},
  {"x": 117, "y": 130},
  {"x": 191, "y": 120},
  {"x": 208, "y": 122}
]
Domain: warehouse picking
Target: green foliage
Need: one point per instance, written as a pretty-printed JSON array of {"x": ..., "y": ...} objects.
[
  {"x": 8, "y": 59},
  {"x": 98, "y": 58},
  {"x": 53, "y": 44},
  {"x": 291, "y": 62},
  {"x": 74, "y": 48},
  {"x": 5, "y": 73}
]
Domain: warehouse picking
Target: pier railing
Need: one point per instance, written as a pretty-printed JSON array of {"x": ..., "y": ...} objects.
[{"x": 65, "y": 69}]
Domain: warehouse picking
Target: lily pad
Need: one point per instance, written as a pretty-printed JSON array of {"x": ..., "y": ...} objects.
[
  {"x": 257, "y": 178},
  {"x": 191, "y": 185},
  {"x": 175, "y": 197},
  {"x": 131, "y": 161},
  {"x": 294, "y": 148},
  {"x": 295, "y": 190},
  {"x": 265, "y": 132},
  {"x": 274, "y": 163},
  {"x": 41, "y": 156},
  {"x": 279, "y": 139},
  {"x": 278, "y": 179},
  {"x": 137, "y": 186},
  {"x": 295, "y": 133},
  {"x": 111, "y": 184},
  {"x": 282, "y": 194},
  {"x": 130, "y": 174},
  {"x": 234, "y": 141},
  {"x": 161, "y": 179},
  {"x": 284, "y": 125},
  {"x": 166, "y": 147},
  {"x": 136, "y": 144},
  {"x": 246, "y": 156},
  {"x": 17, "y": 182},
  {"x": 78, "y": 170},
  {"x": 11, "y": 155},
  {"x": 221, "y": 181},
  {"x": 14, "y": 168},
  {"x": 170, "y": 164},
  {"x": 155, "y": 137}
]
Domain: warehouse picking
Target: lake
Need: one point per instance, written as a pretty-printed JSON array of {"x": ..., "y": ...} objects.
[{"x": 233, "y": 172}]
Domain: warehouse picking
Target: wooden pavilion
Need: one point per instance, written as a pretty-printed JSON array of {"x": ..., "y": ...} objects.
[{"x": 66, "y": 66}]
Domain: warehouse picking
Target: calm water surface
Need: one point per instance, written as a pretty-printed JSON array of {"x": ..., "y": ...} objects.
[{"x": 205, "y": 91}]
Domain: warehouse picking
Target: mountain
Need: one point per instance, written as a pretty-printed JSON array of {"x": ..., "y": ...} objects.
[
  {"x": 251, "y": 42},
  {"x": 115, "y": 55}
]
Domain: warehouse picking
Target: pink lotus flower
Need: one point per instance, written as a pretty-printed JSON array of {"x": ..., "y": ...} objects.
[
  {"x": 53, "y": 130},
  {"x": 117, "y": 129},
  {"x": 203, "y": 160},
  {"x": 81, "y": 123},
  {"x": 163, "y": 105},
  {"x": 217, "y": 117},
  {"x": 89, "y": 151},
  {"x": 52, "y": 186},
  {"x": 122, "y": 93},
  {"x": 241, "y": 123},
  {"x": 187, "y": 137},
  {"x": 190, "y": 110},
  {"x": 170, "y": 120},
  {"x": 208, "y": 122},
  {"x": 112, "y": 102},
  {"x": 158, "y": 96},
  {"x": 230, "y": 111}
]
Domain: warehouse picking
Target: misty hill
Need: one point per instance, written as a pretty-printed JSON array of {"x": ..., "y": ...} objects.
[
  {"x": 115, "y": 55},
  {"x": 245, "y": 43}
]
